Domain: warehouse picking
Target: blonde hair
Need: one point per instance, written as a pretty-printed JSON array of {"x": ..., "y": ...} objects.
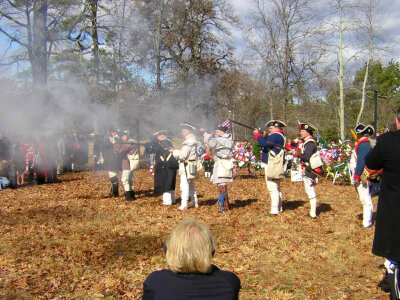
[{"x": 190, "y": 248}]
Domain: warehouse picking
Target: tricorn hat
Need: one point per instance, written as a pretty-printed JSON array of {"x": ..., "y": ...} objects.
[
  {"x": 188, "y": 126},
  {"x": 222, "y": 128},
  {"x": 124, "y": 132},
  {"x": 161, "y": 132},
  {"x": 362, "y": 129},
  {"x": 275, "y": 123},
  {"x": 307, "y": 127}
]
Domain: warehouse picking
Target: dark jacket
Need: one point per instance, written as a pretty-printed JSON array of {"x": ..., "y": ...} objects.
[
  {"x": 112, "y": 160},
  {"x": 276, "y": 138},
  {"x": 362, "y": 149},
  {"x": 166, "y": 284},
  {"x": 310, "y": 147},
  {"x": 5, "y": 149},
  {"x": 165, "y": 166},
  {"x": 386, "y": 155}
]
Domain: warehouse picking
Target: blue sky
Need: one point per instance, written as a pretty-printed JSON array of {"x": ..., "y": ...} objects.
[{"x": 387, "y": 17}]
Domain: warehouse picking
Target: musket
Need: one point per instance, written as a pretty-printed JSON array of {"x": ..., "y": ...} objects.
[
  {"x": 241, "y": 124},
  {"x": 277, "y": 145},
  {"x": 246, "y": 126},
  {"x": 131, "y": 143}
]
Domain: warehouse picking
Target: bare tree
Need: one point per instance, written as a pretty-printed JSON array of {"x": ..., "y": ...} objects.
[
  {"x": 370, "y": 28},
  {"x": 347, "y": 24},
  {"x": 286, "y": 38},
  {"x": 24, "y": 23},
  {"x": 36, "y": 27}
]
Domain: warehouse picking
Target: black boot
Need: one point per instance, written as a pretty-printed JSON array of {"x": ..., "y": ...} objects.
[
  {"x": 114, "y": 186},
  {"x": 128, "y": 196},
  {"x": 133, "y": 195}
]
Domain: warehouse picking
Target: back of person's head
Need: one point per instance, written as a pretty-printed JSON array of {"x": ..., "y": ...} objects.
[{"x": 190, "y": 248}]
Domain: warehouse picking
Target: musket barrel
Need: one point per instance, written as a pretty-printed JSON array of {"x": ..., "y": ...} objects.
[{"x": 241, "y": 124}]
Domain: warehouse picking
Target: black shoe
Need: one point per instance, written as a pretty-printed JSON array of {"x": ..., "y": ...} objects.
[
  {"x": 128, "y": 196},
  {"x": 132, "y": 195}
]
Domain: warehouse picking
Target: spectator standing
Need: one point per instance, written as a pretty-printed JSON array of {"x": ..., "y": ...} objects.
[{"x": 386, "y": 242}]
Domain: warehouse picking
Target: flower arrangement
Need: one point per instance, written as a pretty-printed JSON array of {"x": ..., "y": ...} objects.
[
  {"x": 336, "y": 160},
  {"x": 244, "y": 156}
]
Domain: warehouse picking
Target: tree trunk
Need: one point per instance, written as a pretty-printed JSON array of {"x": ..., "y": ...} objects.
[
  {"x": 39, "y": 44},
  {"x": 157, "y": 41},
  {"x": 96, "y": 57},
  {"x": 341, "y": 91},
  {"x": 363, "y": 92}
]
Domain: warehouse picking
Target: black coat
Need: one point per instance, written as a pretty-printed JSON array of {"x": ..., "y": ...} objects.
[
  {"x": 386, "y": 155},
  {"x": 5, "y": 149},
  {"x": 165, "y": 166},
  {"x": 112, "y": 160},
  {"x": 165, "y": 285}
]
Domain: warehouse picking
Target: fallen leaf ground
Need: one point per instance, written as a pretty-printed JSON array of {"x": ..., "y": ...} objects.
[{"x": 69, "y": 241}]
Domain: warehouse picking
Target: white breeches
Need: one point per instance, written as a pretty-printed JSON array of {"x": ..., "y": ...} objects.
[
  {"x": 187, "y": 190},
  {"x": 168, "y": 198},
  {"x": 111, "y": 174},
  {"x": 127, "y": 180},
  {"x": 310, "y": 191},
  {"x": 273, "y": 186},
  {"x": 366, "y": 201}
]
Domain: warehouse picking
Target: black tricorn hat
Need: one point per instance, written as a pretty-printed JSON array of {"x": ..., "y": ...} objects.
[
  {"x": 124, "y": 132},
  {"x": 362, "y": 129},
  {"x": 307, "y": 127},
  {"x": 222, "y": 128},
  {"x": 275, "y": 123},
  {"x": 188, "y": 126}
]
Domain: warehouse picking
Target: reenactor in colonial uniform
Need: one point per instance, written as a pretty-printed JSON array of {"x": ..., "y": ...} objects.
[
  {"x": 112, "y": 161},
  {"x": 357, "y": 164},
  {"x": 127, "y": 148},
  {"x": 188, "y": 165},
  {"x": 309, "y": 177},
  {"x": 222, "y": 174},
  {"x": 5, "y": 156},
  {"x": 165, "y": 166},
  {"x": 273, "y": 161}
]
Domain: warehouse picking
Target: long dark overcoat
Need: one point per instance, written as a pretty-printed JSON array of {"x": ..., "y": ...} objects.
[
  {"x": 165, "y": 166},
  {"x": 386, "y": 155},
  {"x": 112, "y": 160}
]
